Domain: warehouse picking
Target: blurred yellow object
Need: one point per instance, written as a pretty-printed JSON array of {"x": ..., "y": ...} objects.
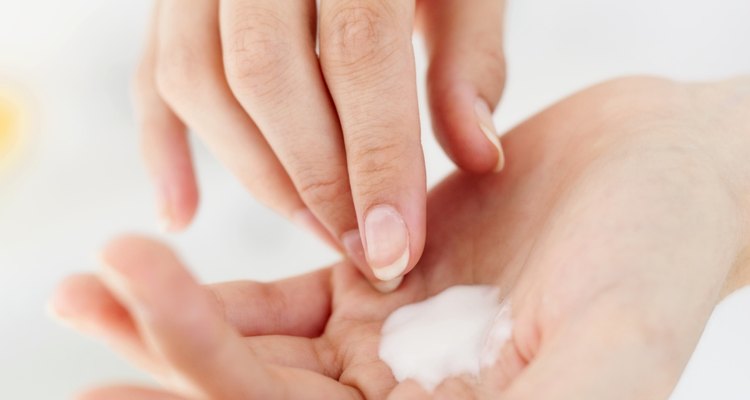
[{"x": 10, "y": 127}]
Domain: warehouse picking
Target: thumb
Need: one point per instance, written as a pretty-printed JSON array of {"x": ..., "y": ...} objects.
[
  {"x": 466, "y": 78},
  {"x": 179, "y": 321},
  {"x": 182, "y": 324}
]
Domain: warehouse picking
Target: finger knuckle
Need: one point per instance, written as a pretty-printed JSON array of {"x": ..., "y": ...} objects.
[
  {"x": 492, "y": 61},
  {"x": 322, "y": 191},
  {"x": 358, "y": 33},
  {"x": 375, "y": 157},
  {"x": 178, "y": 72},
  {"x": 257, "y": 50}
]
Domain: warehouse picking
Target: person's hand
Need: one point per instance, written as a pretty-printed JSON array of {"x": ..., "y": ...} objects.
[
  {"x": 331, "y": 141},
  {"x": 620, "y": 222}
]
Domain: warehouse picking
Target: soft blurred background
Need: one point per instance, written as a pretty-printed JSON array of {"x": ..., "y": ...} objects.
[{"x": 71, "y": 177}]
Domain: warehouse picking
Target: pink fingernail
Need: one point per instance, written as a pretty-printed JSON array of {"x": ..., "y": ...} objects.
[
  {"x": 388, "y": 286},
  {"x": 61, "y": 317},
  {"x": 387, "y": 241},
  {"x": 487, "y": 126}
]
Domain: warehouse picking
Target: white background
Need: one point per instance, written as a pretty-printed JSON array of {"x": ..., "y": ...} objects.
[{"x": 79, "y": 180}]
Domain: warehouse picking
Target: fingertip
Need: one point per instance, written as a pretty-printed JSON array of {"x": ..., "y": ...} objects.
[
  {"x": 484, "y": 120},
  {"x": 186, "y": 206},
  {"x": 387, "y": 242},
  {"x": 82, "y": 302},
  {"x": 177, "y": 202},
  {"x": 166, "y": 151},
  {"x": 149, "y": 278},
  {"x": 398, "y": 268},
  {"x": 392, "y": 249},
  {"x": 65, "y": 301},
  {"x": 138, "y": 270},
  {"x": 352, "y": 244},
  {"x": 464, "y": 127},
  {"x": 388, "y": 286},
  {"x": 128, "y": 251},
  {"x": 466, "y": 79}
]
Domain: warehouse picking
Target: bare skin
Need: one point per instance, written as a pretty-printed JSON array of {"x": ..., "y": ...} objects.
[
  {"x": 619, "y": 223},
  {"x": 312, "y": 105}
]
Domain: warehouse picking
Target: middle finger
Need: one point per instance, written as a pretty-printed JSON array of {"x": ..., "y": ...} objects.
[{"x": 273, "y": 70}]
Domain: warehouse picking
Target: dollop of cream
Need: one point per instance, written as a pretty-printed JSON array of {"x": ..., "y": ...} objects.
[{"x": 455, "y": 332}]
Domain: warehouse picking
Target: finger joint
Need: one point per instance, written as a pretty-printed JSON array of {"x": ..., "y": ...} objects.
[
  {"x": 257, "y": 51},
  {"x": 359, "y": 33}
]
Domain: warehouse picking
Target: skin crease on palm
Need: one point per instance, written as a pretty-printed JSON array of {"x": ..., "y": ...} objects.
[{"x": 619, "y": 223}]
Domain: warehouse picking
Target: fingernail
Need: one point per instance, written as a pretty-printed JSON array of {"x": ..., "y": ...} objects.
[
  {"x": 122, "y": 288},
  {"x": 307, "y": 220},
  {"x": 387, "y": 242},
  {"x": 487, "y": 125},
  {"x": 388, "y": 286},
  {"x": 164, "y": 209},
  {"x": 67, "y": 323},
  {"x": 59, "y": 314},
  {"x": 352, "y": 243}
]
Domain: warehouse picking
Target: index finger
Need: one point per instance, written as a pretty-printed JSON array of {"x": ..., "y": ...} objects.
[{"x": 368, "y": 63}]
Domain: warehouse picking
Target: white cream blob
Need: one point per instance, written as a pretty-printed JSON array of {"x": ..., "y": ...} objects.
[{"x": 455, "y": 332}]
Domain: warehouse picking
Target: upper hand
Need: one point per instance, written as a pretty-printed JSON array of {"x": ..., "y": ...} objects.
[
  {"x": 619, "y": 224},
  {"x": 329, "y": 140}
]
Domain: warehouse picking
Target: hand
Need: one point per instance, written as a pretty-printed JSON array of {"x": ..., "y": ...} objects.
[
  {"x": 331, "y": 141},
  {"x": 620, "y": 222}
]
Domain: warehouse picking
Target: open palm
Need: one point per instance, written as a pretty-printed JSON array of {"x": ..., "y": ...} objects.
[{"x": 613, "y": 231}]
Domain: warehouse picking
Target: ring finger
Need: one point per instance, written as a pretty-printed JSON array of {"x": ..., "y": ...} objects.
[{"x": 190, "y": 77}]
